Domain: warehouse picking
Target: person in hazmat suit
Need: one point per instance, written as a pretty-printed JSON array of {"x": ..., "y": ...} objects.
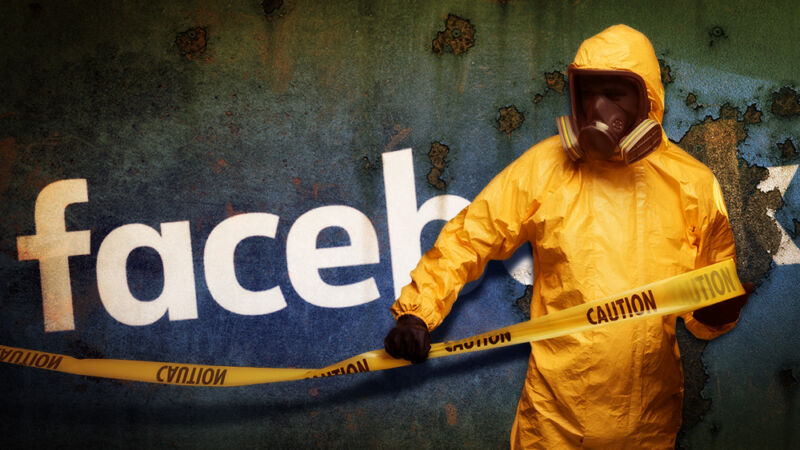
[{"x": 608, "y": 204}]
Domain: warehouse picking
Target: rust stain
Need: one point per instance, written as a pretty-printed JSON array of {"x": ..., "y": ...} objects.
[
  {"x": 351, "y": 422},
  {"x": 283, "y": 59},
  {"x": 218, "y": 166},
  {"x": 715, "y": 143},
  {"x": 437, "y": 155},
  {"x": 314, "y": 392},
  {"x": 400, "y": 133},
  {"x": 192, "y": 42},
  {"x": 752, "y": 115},
  {"x": 452, "y": 414},
  {"x": 666, "y": 72},
  {"x": 230, "y": 212},
  {"x": 555, "y": 81},
  {"x": 510, "y": 119},
  {"x": 788, "y": 150},
  {"x": 457, "y": 37},
  {"x": 786, "y": 102}
]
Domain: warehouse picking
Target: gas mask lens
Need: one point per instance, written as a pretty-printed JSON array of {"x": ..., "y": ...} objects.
[{"x": 609, "y": 117}]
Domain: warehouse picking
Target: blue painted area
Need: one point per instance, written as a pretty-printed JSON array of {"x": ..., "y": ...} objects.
[{"x": 753, "y": 372}]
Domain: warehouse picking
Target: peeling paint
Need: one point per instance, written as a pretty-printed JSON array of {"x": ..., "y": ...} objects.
[
  {"x": 457, "y": 37},
  {"x": 555, "y": 81},
  {"x": 694, "y": 380},
  {"x": 524, "y": 302},
  {"x": 691, "y": 102},
  {"x": 715, "y": 143},
  {"x": 666, "y": 72},
  {"x": 786, "y": 102},
  {"x": 787, "y": 149},
  {"x": 752, "y": 115},
  {"x": 510, "y": 119},
  {"x": 437, "y": 155},
  {"x": 192, "y": 42},
  {"x": 400, "y": 134}
]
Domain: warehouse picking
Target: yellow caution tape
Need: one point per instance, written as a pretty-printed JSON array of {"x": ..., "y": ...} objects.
[{"x": 676, "y": 295}]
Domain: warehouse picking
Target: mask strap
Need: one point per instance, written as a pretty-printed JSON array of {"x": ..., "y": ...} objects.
[
  {"x": 569, "y": 138},
  {"x": 641, "y": 141}
]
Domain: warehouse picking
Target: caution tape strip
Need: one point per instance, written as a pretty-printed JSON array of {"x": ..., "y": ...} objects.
[{"x": 676, "y": 295}]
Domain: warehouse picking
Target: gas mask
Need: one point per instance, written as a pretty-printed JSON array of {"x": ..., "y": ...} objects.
[{"x": 609, "y": 119}]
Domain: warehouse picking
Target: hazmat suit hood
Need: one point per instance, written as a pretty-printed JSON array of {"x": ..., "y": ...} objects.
[
  {"x": 611, "y": 129},
  {"x": 620, "y": 47}
]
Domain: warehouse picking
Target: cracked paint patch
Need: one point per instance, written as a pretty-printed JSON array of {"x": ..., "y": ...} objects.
[
  {"x": 524, "y": 303},
  {"x": 691, "y": 102},
  {"x": 555, "y": 81},
  {"x": 695, "y": 378},
  {"x": 666, "y": 72},
  {"x": 715, "y": 143},
  {"x": 786, "y": 102},
  {"x": 457, "y": 37},
  {"x": 192, "y": 42},
  {"x": 510, "y": 119},
  {"x": 752, "y": 115},
  {"x": 787, "y": 149},
  {"x": 437, "y": 155}
]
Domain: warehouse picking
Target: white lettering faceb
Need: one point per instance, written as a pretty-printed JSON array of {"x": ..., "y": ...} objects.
[
  {"x": 52, "y": 245},
  {"x": 304, "y": 259},
  {"x": 174, "y": 247},
  {"x": 404, "y": 219},
  {"x": 218, "y": 260}
]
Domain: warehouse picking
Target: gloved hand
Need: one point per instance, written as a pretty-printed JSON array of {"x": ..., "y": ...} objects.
[
  {"x": 409, "y": 339},
  {"x": 724, "y": 312}
]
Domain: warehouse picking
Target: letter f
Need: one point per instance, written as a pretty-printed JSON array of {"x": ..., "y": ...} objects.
[{"x": 52, "y": 245}]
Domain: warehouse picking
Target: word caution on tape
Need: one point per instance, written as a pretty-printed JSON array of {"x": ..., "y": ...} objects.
[{"x": 676, "y": 295}]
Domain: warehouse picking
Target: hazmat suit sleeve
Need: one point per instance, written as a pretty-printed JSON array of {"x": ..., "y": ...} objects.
[
  {"x": 714, "y": 244},
  {"x": 491, "y": 227}
]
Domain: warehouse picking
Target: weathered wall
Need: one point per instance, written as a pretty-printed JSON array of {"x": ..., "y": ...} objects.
[{"x": 200, "y": 110}]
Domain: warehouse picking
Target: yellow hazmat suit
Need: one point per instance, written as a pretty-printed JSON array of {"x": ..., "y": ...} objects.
[{"x": 597, "y": 228}]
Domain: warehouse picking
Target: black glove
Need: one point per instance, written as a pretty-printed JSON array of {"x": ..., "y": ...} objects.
[
  {"x": 409, "y": 339},
  {"x": 725, "y": 312}
]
